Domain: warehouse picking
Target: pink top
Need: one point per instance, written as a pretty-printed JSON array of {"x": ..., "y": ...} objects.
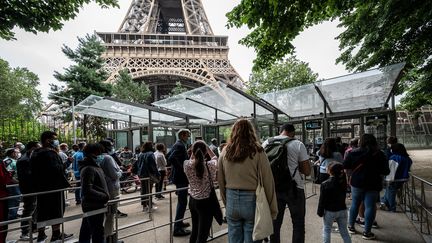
[{"x": 200, "y": 188}]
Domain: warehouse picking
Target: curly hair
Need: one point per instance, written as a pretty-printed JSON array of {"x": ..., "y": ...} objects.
[{"x": 243, "y": 142}]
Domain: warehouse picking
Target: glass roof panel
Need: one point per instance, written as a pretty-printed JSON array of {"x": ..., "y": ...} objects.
[
  {"x": 358, "y": 91},
  {"x": 296, "y": 102},
  {"x": 203, "y": 101}
]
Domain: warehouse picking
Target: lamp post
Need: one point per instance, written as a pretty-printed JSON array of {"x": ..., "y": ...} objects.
[{"x": 73, "y": 114}]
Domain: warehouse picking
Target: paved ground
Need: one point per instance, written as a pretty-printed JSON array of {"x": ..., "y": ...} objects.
[{"x": 394, "y": 227}]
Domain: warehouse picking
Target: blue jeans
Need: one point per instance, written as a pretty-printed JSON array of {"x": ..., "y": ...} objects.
[
  {"x": 92, "y": 229},
  {"x": 181, "y": 206},
  {"x": 341, "y": 218},
  {"x": 296, "y": 201},
  {"x": 369, "y": 198},
  {"x": 240, "y": 214},
  {"x": 389, "y": 198},
  {"x": 13, "y": 204}
]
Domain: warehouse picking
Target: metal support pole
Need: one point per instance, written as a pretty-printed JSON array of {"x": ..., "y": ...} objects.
[
  {"x": 130, "y": 133},
  {"x": 73, "y": 122},
  {"x": 361, "y": 131}
]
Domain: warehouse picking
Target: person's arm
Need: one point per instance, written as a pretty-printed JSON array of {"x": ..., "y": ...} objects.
[
  {"x": 112, "y": 170},
  {"x": 152, "y": 164},
  {"x": 211, "y": 153},
  {"x": 304, "y": 165},
  {"x": 268, "y": 183},
  {"x": 221, "y": 179},
  {"x": 320, "y": 209}
]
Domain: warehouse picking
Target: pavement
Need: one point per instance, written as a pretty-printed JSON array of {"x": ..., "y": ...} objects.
[{"x": 393, "y": 227}]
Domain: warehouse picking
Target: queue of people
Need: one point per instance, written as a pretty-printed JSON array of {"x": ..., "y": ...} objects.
[{"x": 238, "y": 166}]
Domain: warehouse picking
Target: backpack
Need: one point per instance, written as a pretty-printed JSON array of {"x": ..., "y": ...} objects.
[{"x": 277, "y": 154}]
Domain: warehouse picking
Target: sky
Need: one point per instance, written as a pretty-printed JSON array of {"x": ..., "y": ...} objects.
[{"x": 41, "y": 53}]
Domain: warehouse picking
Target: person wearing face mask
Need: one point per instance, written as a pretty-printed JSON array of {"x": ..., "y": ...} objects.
[
  {"x": 11, "y": 166},
  {"x": 94, "y": 194},
  {"x": 48, "y": 174},
  {"x": 19, "y": 147},
  {"x": 112, "y": 177}
]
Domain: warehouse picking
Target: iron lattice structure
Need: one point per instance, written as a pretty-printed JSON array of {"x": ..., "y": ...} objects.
[{"x": 161, "y": 42}]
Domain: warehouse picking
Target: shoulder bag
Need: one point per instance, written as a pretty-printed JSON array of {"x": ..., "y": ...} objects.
[
  {"x": 214, "y": 201},
  {"x": 263, "y": 226}
]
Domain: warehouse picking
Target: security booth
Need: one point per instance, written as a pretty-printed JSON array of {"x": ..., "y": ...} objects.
[{"x": 345, "y": 106}]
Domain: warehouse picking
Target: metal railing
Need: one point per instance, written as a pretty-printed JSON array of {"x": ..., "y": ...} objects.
[
  {"x": 310, "y": 190},
  {"x": 416, "y": 201}
]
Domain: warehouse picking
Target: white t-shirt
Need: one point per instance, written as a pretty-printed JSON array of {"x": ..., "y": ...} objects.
[{"x": 296, "y": 153}]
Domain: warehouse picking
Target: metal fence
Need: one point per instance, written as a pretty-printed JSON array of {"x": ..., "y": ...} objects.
[
  {"x": 416, "y": 201},
  {"x": 121, "y": 232}
]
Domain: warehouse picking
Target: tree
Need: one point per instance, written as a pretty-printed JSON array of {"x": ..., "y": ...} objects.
[
  {"x": 126, "y": 89},
  {"x": 83, "y": 78},
  {"x": 377, "y": 33},
  {"x": 283, "y": 75},
  {"x": 178, "y": 89},
  {"x": 34, "y": 16},
  {"x": 18, "y": 94}
]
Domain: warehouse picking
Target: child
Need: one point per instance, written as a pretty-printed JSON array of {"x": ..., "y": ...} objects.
[{"x": 332, "y": 203}]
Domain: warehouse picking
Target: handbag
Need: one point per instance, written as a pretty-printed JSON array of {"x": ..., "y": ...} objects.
[
  {"x": 214, "y": 201},
  {"x": 263, "y": 226}
]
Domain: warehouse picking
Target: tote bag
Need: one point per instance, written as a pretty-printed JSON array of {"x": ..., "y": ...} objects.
[{"x": 263, "y": 226}]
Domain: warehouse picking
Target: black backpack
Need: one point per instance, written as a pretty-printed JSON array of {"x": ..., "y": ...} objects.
[{"x": 277, "y": 154}]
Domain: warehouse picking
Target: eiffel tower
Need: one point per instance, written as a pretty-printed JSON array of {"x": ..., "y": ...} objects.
[{"x": 161, "y": 42}]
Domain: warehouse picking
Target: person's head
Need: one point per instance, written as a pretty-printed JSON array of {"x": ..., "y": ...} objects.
[
  {"x": 107, "y": 146},
  {"x": 147, "y": 147},
  {"x": 391, "y": 140},
  {"x": 336, "y": 170},
  {"x": 64, "y": 147},
  {"x": 243, "y": 142},
  {"x": 32, "y": 145},
  {"x": 369, "y": 142},
  {"x": 328, "y": 148},
  {"x": 214, "y": 141},
  {"x": 399, "y": 149},
  {"x": 338, "y": 140},
  {"x": 94, "y": 152},
  {"x": 11, "y": 153},
  {"x": 288, "y": 130},
  {"x": 199, "y": 150},
  {"x": 160, "y": 147},
  {"x": 354, "y": 143},
  {"x": 81, "y": 146},
  {"x": 126, "y": 149},
  {"x": 184, "y": 135},
  {"x": 48, "y": 139},
  {"x": 20, "y": 146},
  {"x": 75, "y": 147}
]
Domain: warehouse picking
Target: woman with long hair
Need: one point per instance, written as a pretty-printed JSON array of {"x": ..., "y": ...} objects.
[
  {"x": 400, "y": 165},
  {"x": 238, "y": 167},
  {"x": 367, "y": 165},
  {"x": 199, "y": 173},
  {"x": 328, "y": 153}
]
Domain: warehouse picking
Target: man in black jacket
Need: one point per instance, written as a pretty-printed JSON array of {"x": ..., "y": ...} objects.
[
  {"x": 177, "y": 156},
  {"x": 48, "y": 174},
  {"x": 25, "y": 185}
]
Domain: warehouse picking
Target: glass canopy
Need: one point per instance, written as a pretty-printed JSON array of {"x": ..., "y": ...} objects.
[
  {"x": 120, "y": 110},
  {"x": 218, "y": 102},
  {"x": 358, "y": 91}
]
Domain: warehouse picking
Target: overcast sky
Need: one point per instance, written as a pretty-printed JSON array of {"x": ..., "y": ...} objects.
[{"x": 42, "y": 54}]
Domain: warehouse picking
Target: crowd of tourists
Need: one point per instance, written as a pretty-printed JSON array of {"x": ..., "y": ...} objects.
[{"x": 256, "y": 183}]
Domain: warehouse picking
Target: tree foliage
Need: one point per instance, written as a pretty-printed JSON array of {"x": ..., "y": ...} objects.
[
  {"x": 83, "y": 78},
  {"x": 34, "y": 16},
  {"x": 376, "y": 33},
  {"x": 18, "y": 94},
  {"x": 282, "y": 75},
  {"x": 126, "y": 89},
  {"x": 178, "y": 89}
]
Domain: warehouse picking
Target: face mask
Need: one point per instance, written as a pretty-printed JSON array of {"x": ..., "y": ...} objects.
[
  {"x": 99, "y": 159},
  {"x": 55, "y": 143}
]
